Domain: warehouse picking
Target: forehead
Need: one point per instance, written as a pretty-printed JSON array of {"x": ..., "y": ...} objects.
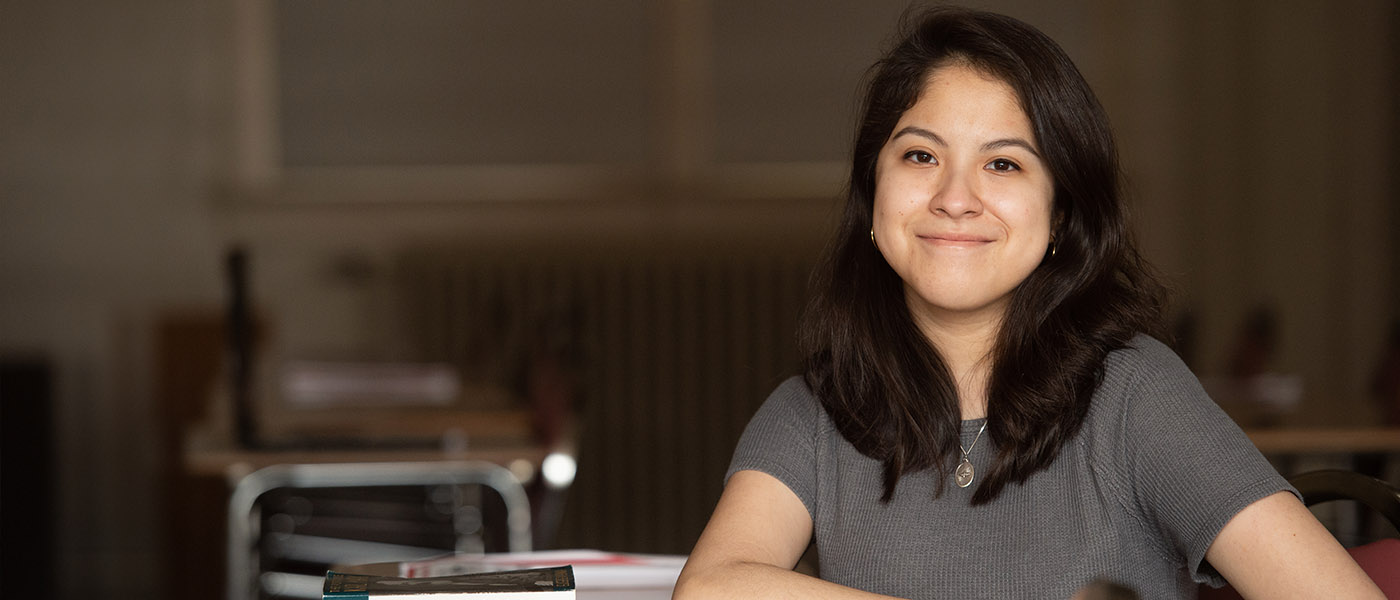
[{"x": 962, "y": 92}]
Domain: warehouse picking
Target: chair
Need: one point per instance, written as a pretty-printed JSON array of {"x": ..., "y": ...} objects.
[
  {"x": 1380, "y": 559},
  {"x": 1335, "y": 484},
  {"x": 340, "y": 540}
]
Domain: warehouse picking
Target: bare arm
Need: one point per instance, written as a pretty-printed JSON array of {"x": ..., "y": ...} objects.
[
  {"x": 754, "y": 539},
  {"x": 1275, "y": 548}
]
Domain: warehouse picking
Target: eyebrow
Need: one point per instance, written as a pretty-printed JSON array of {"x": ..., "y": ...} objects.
[
  {"x": 992, "y": 145},
  {"x": 1011, "y": 143},
  {"x": 921, "y": 132}
]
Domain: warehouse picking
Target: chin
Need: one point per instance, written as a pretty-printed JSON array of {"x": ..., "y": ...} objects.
[{"x": 935, "y": 305}]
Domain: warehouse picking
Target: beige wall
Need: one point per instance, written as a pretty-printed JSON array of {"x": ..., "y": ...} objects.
[{"x": 137, "y": 139}]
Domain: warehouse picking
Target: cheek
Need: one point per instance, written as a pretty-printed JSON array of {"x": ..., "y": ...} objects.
[
  {"x": 890, "y": 212},
  {"x": 887, "y": 225},
  {"x": 1036, "y": 220},
  {"x": 886, "y": 207},
  {"x": 1029, "y": 212},
  {"x": 883, "y": 223},
  {"x": 895, "y": 196}
]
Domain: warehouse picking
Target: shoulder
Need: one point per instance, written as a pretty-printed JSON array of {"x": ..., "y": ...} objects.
[
  {"x": 792, "y": 389},
  {"x": 1145, "y": 356},
  {"x": 1147, "y": 368},
  {"x": 792, "y": 402},
  {"x": 791, "y": 407},
  {"x": 1151, "y": 410},
  {"x": 1146, "y": 389},
  {"x": 783, "y": 439}
]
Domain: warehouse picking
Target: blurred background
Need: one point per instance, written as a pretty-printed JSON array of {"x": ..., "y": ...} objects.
[{"x": 599, "y": 215}]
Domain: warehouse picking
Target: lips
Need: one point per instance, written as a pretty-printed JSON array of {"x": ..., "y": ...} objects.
[{"x": 955, "y": 239}]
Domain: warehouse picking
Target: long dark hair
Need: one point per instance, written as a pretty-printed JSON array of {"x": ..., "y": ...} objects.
[{"x": 882, "y": 382}]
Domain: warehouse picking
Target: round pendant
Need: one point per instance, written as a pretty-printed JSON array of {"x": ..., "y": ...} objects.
[{"x": 963, "y": 475}]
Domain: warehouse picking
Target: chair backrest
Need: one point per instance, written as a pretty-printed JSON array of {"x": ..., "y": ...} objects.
[
  {"x": 340, "y": 541},
  {"x": 1335, "y": 484}
]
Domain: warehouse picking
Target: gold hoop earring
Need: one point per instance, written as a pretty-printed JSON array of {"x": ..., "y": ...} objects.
[{"x": 872, "y": 239}]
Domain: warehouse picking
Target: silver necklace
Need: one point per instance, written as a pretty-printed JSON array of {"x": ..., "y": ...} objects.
[{"x": 964, "y": 473}]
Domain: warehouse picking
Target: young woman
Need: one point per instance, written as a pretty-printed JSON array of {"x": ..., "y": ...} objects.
[{"x": 984, "y": 413}]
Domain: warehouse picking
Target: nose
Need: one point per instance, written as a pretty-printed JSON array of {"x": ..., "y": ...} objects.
[{"x": 955, "y": 196}]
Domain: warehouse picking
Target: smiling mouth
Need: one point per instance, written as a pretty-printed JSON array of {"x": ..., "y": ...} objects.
[{"x": 955, "y": 240}]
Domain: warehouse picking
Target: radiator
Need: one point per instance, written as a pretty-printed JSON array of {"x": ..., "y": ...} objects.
[{"x": 669, "y": 351}]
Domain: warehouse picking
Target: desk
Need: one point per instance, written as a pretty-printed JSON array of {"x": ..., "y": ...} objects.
[
  {"x": 222, "y": 459},
  {"x": 1293, "y": 450},
  {"x": 500, "y": 437},
  {"x": 1377, "y": 440}
]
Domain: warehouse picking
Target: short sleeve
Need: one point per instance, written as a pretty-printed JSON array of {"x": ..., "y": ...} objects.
[
  {"x": 781, "y": 440},
  {"x": 1192, "y": 468}
]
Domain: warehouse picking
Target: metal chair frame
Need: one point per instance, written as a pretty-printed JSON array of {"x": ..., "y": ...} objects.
[{"x": 242, "y": 552}]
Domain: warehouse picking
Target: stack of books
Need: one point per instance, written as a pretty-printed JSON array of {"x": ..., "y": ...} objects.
[
  {"x": 551, "y": 583},
  {"x": 512, "y": 575}
]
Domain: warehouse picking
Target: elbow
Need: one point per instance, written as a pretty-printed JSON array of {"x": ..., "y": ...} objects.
[
  {"x": 689, "y": 585},
  {"x": 683, "y": 591},
  {"x": 701, "y": 582}
]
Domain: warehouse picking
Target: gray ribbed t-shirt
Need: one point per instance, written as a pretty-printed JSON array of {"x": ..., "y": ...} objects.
[{"x": 1137, "y": 497}]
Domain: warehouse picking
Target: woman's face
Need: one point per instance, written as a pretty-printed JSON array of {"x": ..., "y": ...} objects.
[{"x": 963, "y": 201}]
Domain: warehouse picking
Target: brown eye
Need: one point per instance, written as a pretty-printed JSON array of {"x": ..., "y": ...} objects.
[
  {"x": 919, "y": 156},
  {"x": 1002, "y": 164}
]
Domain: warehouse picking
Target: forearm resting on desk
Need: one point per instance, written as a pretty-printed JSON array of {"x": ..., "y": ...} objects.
[{"x": 758, "y": 580}]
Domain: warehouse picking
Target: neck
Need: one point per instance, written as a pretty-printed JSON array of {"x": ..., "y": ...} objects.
[
  {"x": 972, "y": 391},
  {"x": 966, "y": 346}
]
